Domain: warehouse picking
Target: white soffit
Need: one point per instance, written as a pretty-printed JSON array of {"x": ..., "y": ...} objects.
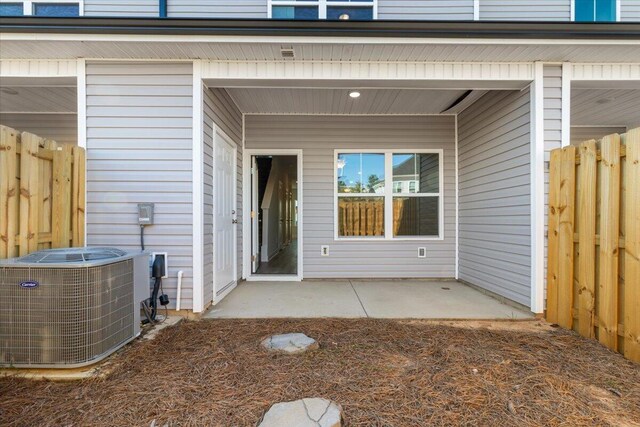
[
  {"x": 605, "y": 107},
  {"x": 337, "y": 101},
  {"x": 91, "y": 46}
]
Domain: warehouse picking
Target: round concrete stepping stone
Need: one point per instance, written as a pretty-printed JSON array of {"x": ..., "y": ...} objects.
[
  {"x": 311, "y": 412},
  {"x": 290, "y": 343}
]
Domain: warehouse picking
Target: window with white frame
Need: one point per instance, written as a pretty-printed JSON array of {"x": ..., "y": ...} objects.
[
  {"x": 50, "y": 8},
  {"x": 595, "y": 10},
  {"x": 355, "y": 10},
  {"x": 388, "y": 194}
]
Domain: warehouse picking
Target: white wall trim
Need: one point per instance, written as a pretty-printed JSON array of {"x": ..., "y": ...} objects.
[
  {"x": 573, "y": 10},
  {"x": 476, "y": 10},
  {"x": 81, "y": 91},
  {"x": 618, "y": 10},
  {"x": 566, "y": 104},
  {"x": 366, "y": 70},
  {"x": 38, "y": 67},
  {"x": 198, "y": 188},
  {"x": 246, "y": 215},
  {"x": 457, "y": 272},
  {"x": 537, "y": 190}
]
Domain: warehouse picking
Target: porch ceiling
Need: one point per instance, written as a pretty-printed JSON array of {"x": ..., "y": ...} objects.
[
  {"x": 37, "y": 99},
  {"x": 30, "y": 46},
  {"x": 605, "y": 107},
  {"x": 337, "y": 101}
]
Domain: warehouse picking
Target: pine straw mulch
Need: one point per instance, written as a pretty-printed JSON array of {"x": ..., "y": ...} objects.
[{"x": 382, "y": 372}]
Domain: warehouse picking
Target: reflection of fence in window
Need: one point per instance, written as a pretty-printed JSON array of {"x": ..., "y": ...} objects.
[
  {"x": 364, "y": 216},
  {"x": 360, "y": 216}
]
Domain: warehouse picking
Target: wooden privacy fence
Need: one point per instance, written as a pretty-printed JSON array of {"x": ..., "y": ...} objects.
[
  {"x": 593, "y": 273},
  {"x": 42, "y": 194}
]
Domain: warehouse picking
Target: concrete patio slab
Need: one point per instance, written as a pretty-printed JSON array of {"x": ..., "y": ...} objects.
[
  {"x": 430, "y": 299},
  {"x": 326, "y": 298},
  {"x": 384, "y": 299}
]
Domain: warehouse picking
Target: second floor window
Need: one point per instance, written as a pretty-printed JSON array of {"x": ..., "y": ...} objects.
[
  {"x": 52, "y": 8},
  {"x": 354, "y": 10},
  {"x": 595, "y": 10}
]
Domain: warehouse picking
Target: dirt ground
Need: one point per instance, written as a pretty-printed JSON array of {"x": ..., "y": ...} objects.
[{"x": 382, "y": 372}]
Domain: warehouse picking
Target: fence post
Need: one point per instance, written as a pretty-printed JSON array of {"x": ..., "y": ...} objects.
[
  {"x": 565, "y": 237},
  {"x": 609, "y": 237},
  {"x": 78, "y": 196},
  {"x": 553, "y": 227},
  {"x": 632, "y": 248}
]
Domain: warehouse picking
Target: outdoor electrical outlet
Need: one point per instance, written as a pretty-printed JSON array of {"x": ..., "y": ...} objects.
[
  {"x": 165, "y": 273},
  {"x": 324, "y": 250},
  {"x": 422, "y": 252}
]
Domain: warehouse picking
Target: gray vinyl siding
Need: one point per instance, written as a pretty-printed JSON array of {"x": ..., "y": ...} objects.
[
  {"x": 318, "y": 137},
  {"x": 525, "y": 10},
  {"x": 62, "y": 128},
  {"x": 217, "y": 9},
  {"x": 552, "y": 75},
  {"x": 428, "y": 10},
  {"x": 121, "y": 8},
  {"x": 494, "y": 195},
  {"x": 139, "y": 149},
  {"x": 581, "y": 133},
  {"x": 630, "y": 10},
  {"x": 220, "y": 109}
]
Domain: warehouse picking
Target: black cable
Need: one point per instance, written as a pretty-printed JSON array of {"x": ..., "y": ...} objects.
[{"x": 142, "y": 236}]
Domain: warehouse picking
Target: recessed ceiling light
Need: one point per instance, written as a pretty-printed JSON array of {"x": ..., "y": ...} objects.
[
  {"x": 354, "y": 94},
  {"x": 344, "y": 17}
]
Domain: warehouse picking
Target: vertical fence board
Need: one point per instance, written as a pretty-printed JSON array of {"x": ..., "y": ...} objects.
[
  {"x": 609, "y": 238},
  {"x": 29, "y": 195},
  {"x": 554, "y": 225},
  {"x": 8, "y": 191},
  {"x": 565, "y": 237},
  {"x": 586, "y": 217},
  {"x": 61, "y": 206},
  {"x": 631, "y": 319},
  {"x": 78, "y": 204}
]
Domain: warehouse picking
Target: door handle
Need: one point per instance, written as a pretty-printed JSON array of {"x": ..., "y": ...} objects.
[{"x": 234, "y": 221}]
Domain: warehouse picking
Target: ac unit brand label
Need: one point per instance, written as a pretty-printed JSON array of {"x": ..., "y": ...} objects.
[{"x": 29, "y": 284}]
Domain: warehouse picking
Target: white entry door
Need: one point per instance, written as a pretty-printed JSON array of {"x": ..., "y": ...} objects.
[{"x": 225, "y": 218}]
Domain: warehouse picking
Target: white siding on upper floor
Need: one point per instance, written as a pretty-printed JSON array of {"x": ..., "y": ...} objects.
[
  {"x": 139, "y": 149},
  {"x": 630, "y": 10},
  {"x": 220, "y": 109},
  {"x": 525, "y": 10},
  {"x": 318, "y": 137},
  {"x": 425, "y": 9},
  {"x": 217, "y": 9},
  {"x": 122, "y": 8},
  {"x": 495, "y": 195}
]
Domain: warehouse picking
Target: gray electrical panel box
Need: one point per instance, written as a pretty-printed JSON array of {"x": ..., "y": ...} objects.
[{"x": 145, "y": 213}]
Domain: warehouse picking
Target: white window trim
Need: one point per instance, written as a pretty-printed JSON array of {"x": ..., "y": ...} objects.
[
  {"x": 322, "y": 6},
  {"x": 389, "y": 194},
  {"x": 27, "y": 5}
]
